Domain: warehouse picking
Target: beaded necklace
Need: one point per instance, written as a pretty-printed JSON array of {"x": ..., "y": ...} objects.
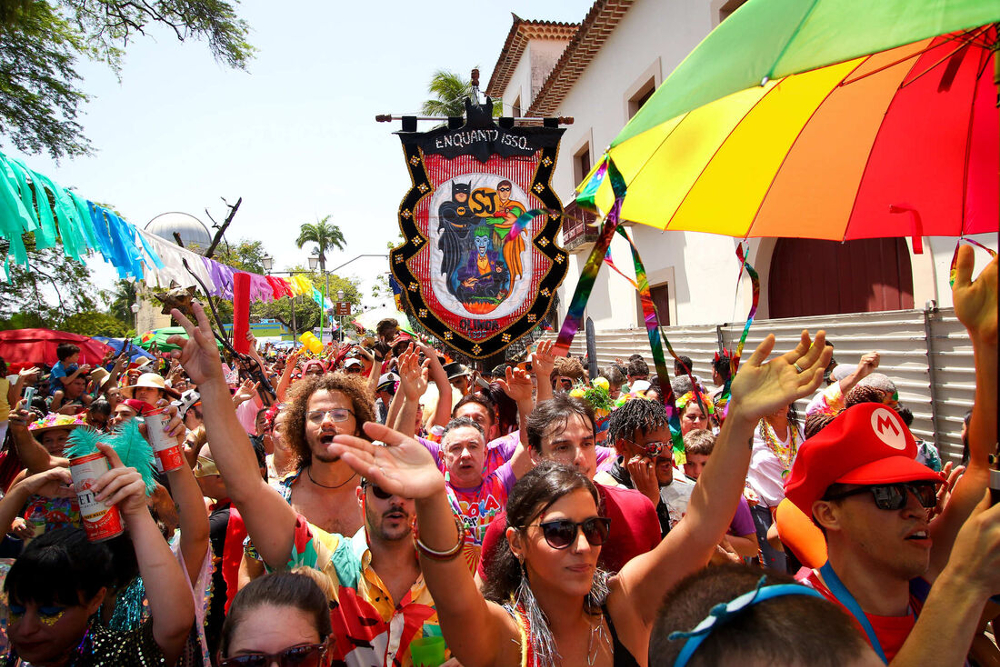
[{"x": 784, "y": 452}]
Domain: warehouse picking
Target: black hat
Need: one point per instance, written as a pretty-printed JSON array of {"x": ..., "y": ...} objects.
[{"x": 455, "y": 370}]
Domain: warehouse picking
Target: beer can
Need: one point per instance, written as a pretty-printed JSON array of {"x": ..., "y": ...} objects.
[
  {"x": 168, "y": 452},
  {"x": 101, "y": 521}
]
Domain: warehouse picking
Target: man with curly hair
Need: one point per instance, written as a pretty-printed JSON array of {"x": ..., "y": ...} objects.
[{"x": 323, "y": 488}]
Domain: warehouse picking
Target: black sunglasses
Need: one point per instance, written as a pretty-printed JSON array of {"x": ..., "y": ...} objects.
[
  {"x": 893, "y": 496},
  {"x": 306, "y": 655},
  {"x": 561, "y": 533}
]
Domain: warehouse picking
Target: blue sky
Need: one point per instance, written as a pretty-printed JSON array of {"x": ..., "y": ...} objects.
[{"x": 296, "y": 137}]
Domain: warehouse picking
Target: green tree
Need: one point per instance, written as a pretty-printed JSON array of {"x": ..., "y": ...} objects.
[
  {"x": 45, "y": 291},
  {"x": 93, "y": 323},
  {"x": 41, "y": 42},
  {"x": 247, "y": 255},
  {"x": 450, "y": 90},
  {"x": 326, "y": 236}
]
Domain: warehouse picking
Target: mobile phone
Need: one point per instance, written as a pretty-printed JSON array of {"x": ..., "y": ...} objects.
[
  {"x": 29, "y": 396},
  {"x": 994, "y": 486}
]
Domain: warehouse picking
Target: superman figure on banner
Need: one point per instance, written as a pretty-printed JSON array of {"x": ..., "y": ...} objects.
[
  {"x": 455, "y": 223},
  {"x": 483, "y": 279}
]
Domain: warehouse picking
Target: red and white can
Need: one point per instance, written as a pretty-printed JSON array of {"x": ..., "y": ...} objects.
[
  {"x": 168, "y": 452},
  {"x": 101, "y": 520}
]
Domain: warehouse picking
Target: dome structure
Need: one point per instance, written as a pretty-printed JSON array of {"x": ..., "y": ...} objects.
[{"x": 192, "y": 231}]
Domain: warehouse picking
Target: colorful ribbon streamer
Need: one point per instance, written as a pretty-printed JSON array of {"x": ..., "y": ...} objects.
[
  {"x": 574, "y": 314},
  {"x": 954, "y": 257},
  {"x": 656, "y": 339},
  {"x": 522, "y": 222},
  {"x": 734, "y": 363}
]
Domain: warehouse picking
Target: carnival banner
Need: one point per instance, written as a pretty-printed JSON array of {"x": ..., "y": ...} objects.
[{"x": 480, "y": 265}]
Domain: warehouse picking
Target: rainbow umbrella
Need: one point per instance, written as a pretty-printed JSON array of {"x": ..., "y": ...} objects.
[{"x": 821, "y": 119}]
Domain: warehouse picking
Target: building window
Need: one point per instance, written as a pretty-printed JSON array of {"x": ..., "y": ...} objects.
[
  {"x": 728, "y": 8},
  {"x": 661, "y": 299},
  {"x": 645, "y": 91},
  {"x": 516, "y": 110},
  {"x": 581, "y": 163}
]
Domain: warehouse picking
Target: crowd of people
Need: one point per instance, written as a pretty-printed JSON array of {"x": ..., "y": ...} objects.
[{"x": 382, "y": 504}]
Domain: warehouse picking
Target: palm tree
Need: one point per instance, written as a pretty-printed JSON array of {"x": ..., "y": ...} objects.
[
  {"x": 450, "y": 91},
  {"x": 326, "y": 236}
]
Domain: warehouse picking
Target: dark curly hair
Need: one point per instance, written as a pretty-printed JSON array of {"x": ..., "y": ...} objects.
[
  {"x": 638, "y": 414},
  {"x": 355, "y": 388},
  {"x": 534, "y": 493}
]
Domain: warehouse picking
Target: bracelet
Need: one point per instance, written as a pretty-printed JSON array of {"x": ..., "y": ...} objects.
[{"x": 450, "y": 554}]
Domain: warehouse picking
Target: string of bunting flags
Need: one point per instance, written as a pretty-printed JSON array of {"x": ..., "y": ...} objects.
[{"x": 31, "y": 202}]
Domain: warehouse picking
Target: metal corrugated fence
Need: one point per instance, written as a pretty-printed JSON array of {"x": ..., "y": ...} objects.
[{"x": 926, "y": 353}]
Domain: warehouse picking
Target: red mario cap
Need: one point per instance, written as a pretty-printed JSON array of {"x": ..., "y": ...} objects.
[{"x": 866, "y": 444}]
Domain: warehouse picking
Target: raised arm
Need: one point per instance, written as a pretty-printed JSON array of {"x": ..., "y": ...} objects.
[
  {"x": 760, "y": 388},
  {"x": 286, "y": 376},
  {"x": 437, "y": 375},
  {"x": 542, "y": 362},
  {"x": 517, "y": 385},
  {"x": 412, "y": 385},
  {"x": 34, "y": 457},
  {"x": 475, "y": 630},
  {"x": 269, "y": 519},
  {"x": 170, "y": 604},
  {"x": 976, "y": 307}
]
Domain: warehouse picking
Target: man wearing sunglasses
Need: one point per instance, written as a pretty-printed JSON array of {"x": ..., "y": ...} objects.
[
  {"x": 641, "y": 436},
  {"x": 860, "y": 482}
]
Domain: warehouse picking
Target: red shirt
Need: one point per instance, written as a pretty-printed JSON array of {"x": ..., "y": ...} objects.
[
  {"x": 634, "y": 529},
  {"x": 891, "y": 631}
]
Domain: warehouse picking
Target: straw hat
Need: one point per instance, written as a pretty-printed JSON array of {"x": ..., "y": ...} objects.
[{"x": 151, "y": 380}]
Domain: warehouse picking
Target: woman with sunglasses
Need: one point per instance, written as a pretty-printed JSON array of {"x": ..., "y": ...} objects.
[
  {"x": 550, "y": 604},
  {"x": 281, "y": 618}
]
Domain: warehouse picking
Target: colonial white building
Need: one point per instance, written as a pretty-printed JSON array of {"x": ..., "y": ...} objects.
[{"x": 600, "y": 72}]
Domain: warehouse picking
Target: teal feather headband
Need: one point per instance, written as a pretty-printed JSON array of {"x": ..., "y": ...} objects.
[{"x": 128, "y": 443}]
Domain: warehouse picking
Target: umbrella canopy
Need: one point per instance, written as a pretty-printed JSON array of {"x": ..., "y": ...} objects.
[
  {"x": 369, "y": 319},
  {"x": 159, "y": 338},
  {"x": 823, "y": 154},
  {"x": 117, "y": 344},
  {"x": 38, "y": 346},
  {"x": 834, "y": 153}
]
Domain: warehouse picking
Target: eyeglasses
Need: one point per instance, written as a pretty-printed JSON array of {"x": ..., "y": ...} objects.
[
  {"x": 893, "y": 496},
  {"x": 378, "y": 491},
  {"x": 561, "y": 533},
  {"x": 306, "y": 655},
  {"x": 353, "y": 369},
  {"x": 653, "y": 449},
  {"x": 566, "y": 383},
  {"x": 336, "y": 415}
]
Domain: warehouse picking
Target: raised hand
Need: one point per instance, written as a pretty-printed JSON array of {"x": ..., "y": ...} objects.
[
  {"x": 517, "y": 385},
  {"x": 412, "y": 376},
  {"x": 398, "y": 464},
  {"x": 248, "y": 389},
  {"x": 198, "y": 354},
  {"x": 543, "y": 359},
  {"x": 976, "y": 302},
  {"x": 762, "y": 387}
]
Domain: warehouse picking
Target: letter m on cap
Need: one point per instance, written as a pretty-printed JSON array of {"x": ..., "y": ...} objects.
[{"x": 884, "y": 422}]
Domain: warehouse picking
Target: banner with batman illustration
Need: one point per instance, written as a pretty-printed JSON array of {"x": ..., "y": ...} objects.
[{"x": 480, "y": 265}]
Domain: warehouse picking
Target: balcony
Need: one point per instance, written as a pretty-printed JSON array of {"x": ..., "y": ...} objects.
[{"x": 577, "y": 228}]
